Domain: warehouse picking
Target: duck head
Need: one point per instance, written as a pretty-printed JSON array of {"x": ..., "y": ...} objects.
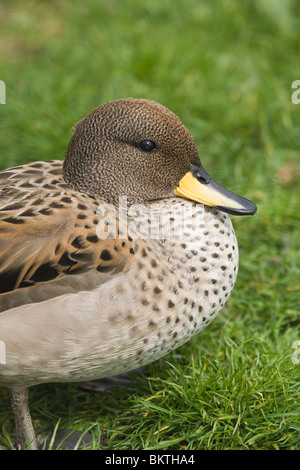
[{"x": 139, "y": 149}]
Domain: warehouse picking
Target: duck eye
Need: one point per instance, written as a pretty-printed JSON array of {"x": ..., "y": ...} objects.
[{"x": 147, "y": 145}]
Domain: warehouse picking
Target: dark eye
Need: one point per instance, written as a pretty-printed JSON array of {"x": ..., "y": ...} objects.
[{"x": 147, "y": 145}]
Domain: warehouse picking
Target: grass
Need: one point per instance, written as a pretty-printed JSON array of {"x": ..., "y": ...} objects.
[{"x": 226, "y": 69}]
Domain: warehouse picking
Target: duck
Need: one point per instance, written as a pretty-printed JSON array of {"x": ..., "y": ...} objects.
[{"x": 113, "y": 257}]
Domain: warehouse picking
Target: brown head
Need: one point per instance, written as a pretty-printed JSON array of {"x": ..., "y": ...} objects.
[
  {"x": 111, "y": 152},
  {"x": 135, "y": 148}
]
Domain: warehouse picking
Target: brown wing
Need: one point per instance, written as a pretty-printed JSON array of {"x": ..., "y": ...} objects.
[{"x": 48, "y": 230}]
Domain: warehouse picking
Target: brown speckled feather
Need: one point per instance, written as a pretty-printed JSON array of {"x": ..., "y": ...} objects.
[{"x": 48, "y": 230}]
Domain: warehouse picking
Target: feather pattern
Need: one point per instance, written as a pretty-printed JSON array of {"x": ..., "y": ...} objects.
[
  {"x": 78, "y": 303},
  {"x": 49, "y": 231}
]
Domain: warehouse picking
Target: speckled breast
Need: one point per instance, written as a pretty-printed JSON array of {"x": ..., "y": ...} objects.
[{"x": 177, "y": 284}]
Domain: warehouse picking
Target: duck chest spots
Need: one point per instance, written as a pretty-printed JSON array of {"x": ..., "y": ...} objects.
[{"x": 176, "y": 298}]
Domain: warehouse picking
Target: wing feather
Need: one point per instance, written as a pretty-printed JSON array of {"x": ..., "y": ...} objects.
[{"x": 48, "y": 230}]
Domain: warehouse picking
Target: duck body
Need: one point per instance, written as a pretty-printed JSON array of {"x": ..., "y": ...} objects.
[
  {"x": 112, "y": 258},
  {"x": 96, "y": 324}
]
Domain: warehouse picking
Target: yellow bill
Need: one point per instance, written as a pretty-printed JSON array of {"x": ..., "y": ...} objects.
[{"x": 198, "y": 186}]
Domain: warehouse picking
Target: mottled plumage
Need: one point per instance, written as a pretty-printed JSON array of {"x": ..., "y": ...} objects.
[
  {"x": 48, "y": 230},
  {"x": 76, "y": 306}
]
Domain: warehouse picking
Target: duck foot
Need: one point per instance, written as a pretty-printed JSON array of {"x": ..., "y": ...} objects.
[
  {"x": 67, "y": 439},
  {"x": 25, "y": 436},
  {"x": 109, "y": 383}
]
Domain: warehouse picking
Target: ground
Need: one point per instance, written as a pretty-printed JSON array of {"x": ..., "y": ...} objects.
[{"x": 226, "y": 68}]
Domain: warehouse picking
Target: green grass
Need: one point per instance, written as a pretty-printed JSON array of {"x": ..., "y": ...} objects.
[{"x": 226, "y": 68}]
